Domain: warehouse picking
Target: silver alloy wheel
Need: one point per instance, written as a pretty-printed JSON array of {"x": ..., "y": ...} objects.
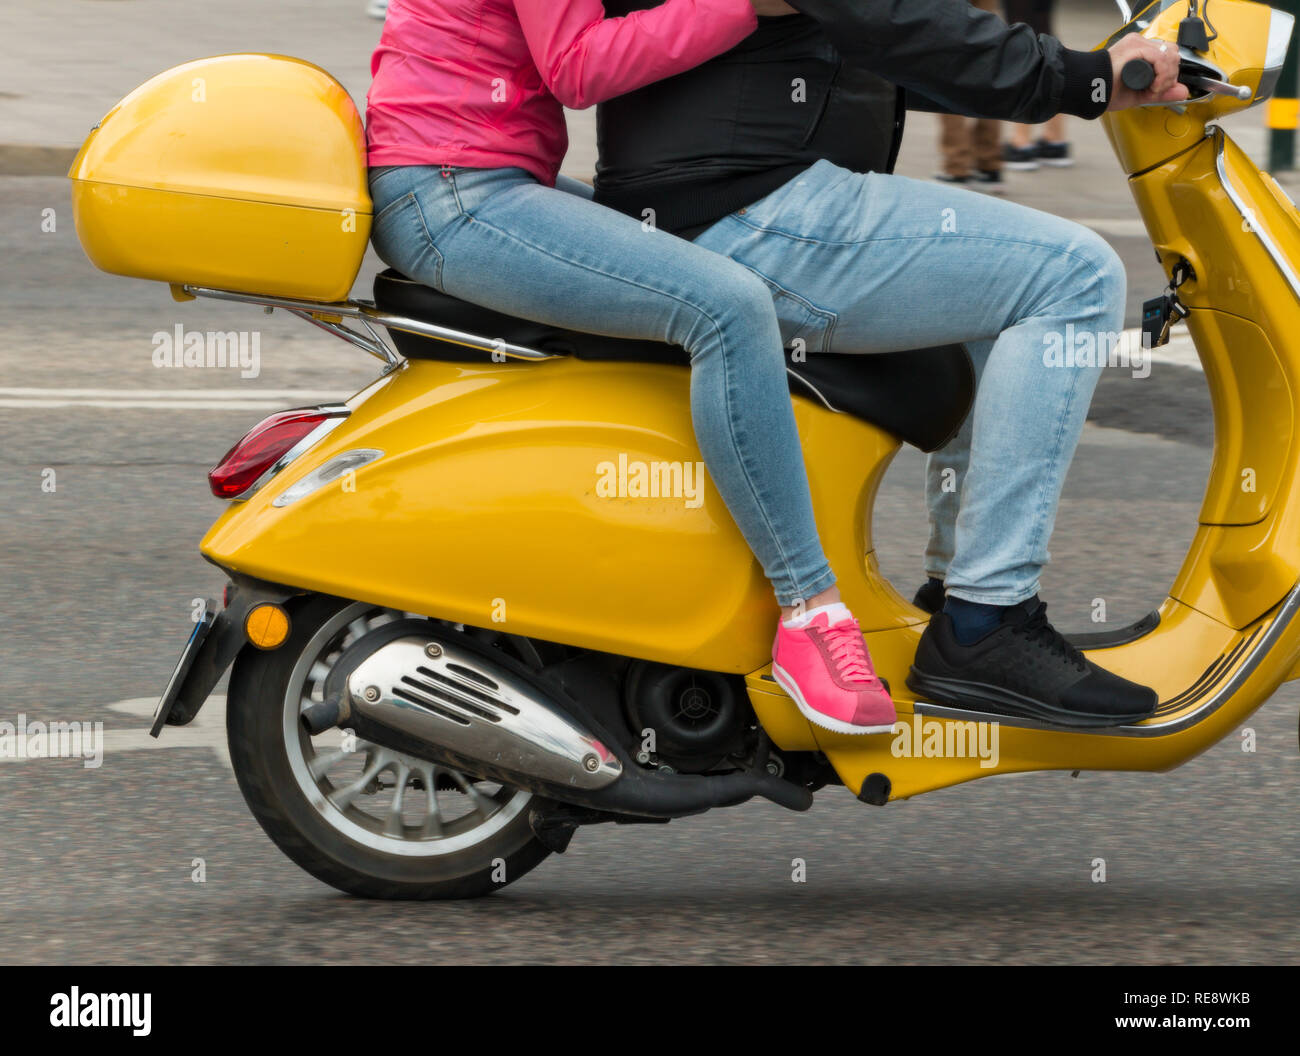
[{"x": 383, "y": 799}]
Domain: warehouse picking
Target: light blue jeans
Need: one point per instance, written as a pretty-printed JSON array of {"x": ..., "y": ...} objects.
[
  {"x": 874, "y": 263},
  {"x": 500, "y": 239}
]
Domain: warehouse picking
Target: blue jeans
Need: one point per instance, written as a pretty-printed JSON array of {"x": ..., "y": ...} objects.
[
  {"x": 500, "y": 239},
  {"x": 863, "y": 263}
]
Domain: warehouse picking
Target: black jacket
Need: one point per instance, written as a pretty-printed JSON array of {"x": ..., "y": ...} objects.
[{"x": 833, "y": 83}]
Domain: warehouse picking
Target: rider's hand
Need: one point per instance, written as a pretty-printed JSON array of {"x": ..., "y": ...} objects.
[
  {"x": 1164, "y": 89},
  {"x": 772, "y": 7}
]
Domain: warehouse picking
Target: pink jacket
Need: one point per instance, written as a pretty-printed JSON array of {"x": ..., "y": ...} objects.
[{"x": 481, "y": 83}]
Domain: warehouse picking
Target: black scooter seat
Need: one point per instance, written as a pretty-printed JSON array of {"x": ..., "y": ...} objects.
[{"x": 920, "y": 395}]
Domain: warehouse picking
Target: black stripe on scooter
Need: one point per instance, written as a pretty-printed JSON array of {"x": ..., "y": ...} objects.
[
  {"x": 1210, "y": 678},
  {"x": 1207, "y": 676}
]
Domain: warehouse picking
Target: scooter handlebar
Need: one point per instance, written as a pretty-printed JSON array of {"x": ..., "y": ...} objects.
[{"x": 1137, "y": 74}]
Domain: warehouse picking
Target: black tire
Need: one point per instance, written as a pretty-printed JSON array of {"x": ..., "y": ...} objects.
[{"x": 255, "y": 727}]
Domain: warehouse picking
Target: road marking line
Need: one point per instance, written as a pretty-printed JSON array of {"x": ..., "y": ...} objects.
[
  {"x": 166, "y": 399},
  {"x": 150, "y": 405},
  {"x": 1180, "y": 352},
  {"x": 208, "y": 730},
  {"x": 1119, "y": 227},
  {"x": 175, "y": 394}
]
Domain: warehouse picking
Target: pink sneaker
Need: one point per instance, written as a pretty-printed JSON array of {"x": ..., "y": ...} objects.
[{"x": 825, "y": 668}]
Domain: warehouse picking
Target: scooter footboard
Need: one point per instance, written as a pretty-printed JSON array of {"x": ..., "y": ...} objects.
[{"x": 1223, "y": 676}]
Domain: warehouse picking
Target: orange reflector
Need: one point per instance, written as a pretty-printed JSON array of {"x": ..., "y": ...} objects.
[
  {"x": 267, "y": 626},
  {"x": 1282, "y": 113}
]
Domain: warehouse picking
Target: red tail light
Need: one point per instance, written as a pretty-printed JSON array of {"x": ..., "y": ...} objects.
[{"x": 262, "y": 447}]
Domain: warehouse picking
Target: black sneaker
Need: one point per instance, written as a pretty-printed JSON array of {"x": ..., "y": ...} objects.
[
  {"x": 1020, "y": 159},
  {"x": 943, "y": 177},
  {"x": 929, "y": 598},
  {"x": 1024, "y": 667},
  {"x": 989, "y": 180},
  {"x": 1056, "y": 155}
]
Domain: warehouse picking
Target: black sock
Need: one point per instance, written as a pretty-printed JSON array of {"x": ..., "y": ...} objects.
[{"x": 972, "y": 620}]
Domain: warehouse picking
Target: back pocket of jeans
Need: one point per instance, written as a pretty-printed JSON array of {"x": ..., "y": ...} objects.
[{"x": 402, "y": 241}]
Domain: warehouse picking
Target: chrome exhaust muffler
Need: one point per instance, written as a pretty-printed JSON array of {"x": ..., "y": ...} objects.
[
  {"x": 436, "y": 699},
  {"x": 437, "y": 696}
]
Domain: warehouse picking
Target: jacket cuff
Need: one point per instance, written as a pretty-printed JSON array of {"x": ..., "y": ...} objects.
[{"x": 1083, "y": 69}]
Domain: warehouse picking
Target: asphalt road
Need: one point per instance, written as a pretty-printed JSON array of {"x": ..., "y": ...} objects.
[{"x": 97, "y": 579}]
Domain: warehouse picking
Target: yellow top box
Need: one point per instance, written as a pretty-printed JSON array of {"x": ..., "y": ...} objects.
[{"x": 240, "y": 172}]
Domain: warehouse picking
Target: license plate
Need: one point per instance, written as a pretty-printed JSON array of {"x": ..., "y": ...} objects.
[{"x": 183, "y": 665}]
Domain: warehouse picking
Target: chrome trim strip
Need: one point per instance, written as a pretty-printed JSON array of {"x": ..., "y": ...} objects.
[
  {"x": 1019, "y": 722},
  {"x": 1282, "y": 618},
  {"x": 810, "y": 387},
  {"x": 1252, "y": 222},
  {"x": 338, "y": 413},
  {"x": 367, "y": 313}
]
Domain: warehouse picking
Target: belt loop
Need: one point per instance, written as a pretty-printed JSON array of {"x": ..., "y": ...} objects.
[{"x": 446, "y": 172}]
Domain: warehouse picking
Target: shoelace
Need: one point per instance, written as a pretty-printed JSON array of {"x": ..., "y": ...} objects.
[
  {"x": 849, "y": 652},
  {"x": 1037, "y": 629}
]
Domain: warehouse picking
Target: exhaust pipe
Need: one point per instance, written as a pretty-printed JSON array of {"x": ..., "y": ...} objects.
[
  {"x": 455, "y": 703},
  {"x": 323, "y": 716},
  {"x": 655, "y": 795}
]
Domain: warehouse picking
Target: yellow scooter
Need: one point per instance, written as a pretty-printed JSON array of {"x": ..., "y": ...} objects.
[{"x": 486, "y": 601}]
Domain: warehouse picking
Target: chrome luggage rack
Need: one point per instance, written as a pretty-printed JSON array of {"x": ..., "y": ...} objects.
[{"x": 330, "y": 316}]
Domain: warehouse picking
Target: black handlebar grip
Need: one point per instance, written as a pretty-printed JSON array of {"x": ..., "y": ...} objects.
[{"x": 1137, "y": 74}]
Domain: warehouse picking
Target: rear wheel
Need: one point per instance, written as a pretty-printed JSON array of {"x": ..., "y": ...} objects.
[{"x": 363, "y": 818}]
